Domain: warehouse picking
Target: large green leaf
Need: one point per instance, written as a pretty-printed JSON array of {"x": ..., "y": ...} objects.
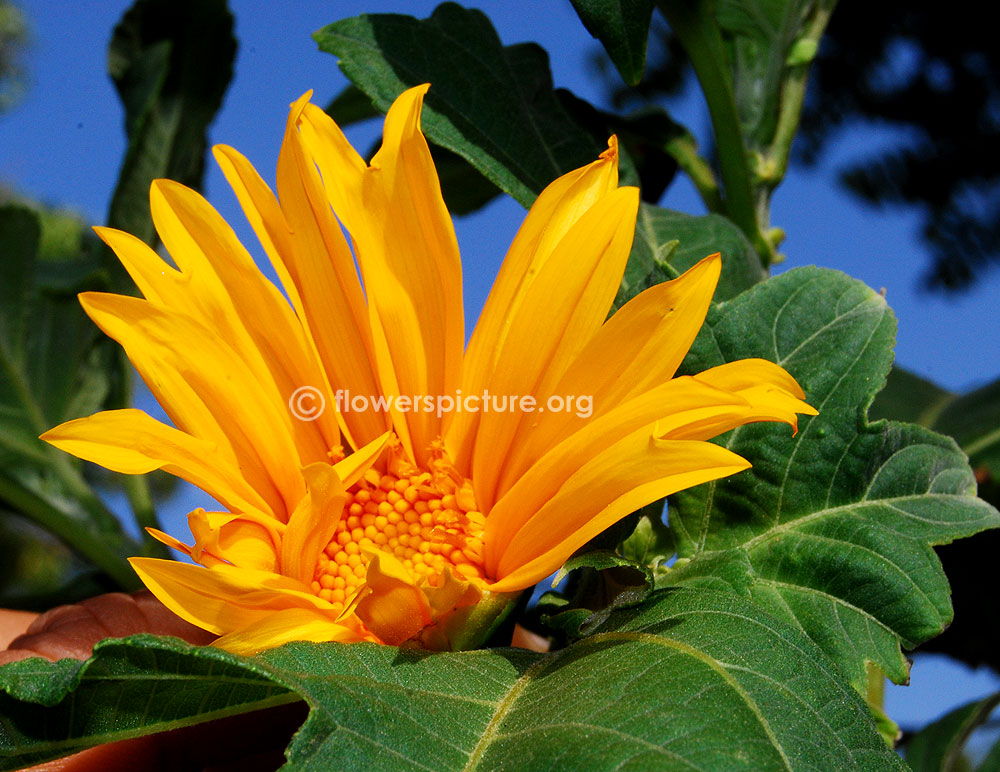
[
  {"x": 667, "y": 243},
  {"x": 972, "y": 419},
  {"x": 492, "y": 105},
  {"x": 623, "y": 27},
  {"x": 171, "y": 61},
  {"x": 832, "y": 529},
  {"x": 692, "y": 680}
]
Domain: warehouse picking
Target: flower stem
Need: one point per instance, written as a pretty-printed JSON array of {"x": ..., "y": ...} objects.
[
  {"x": 793, "y": 94},
  {"x": 692, "y": 22},
  {"x": 684, "y": 150}
]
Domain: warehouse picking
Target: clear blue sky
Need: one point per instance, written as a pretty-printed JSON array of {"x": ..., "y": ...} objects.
[{"x": 64, "y": 142}]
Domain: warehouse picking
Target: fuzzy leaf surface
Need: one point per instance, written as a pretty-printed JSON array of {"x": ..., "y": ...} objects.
[
  {"x": 746, "y": 692},
  {"x": 833, "y": 528}
]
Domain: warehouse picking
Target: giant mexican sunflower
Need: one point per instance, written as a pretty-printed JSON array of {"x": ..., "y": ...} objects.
[{"x": 399, "y": 524}]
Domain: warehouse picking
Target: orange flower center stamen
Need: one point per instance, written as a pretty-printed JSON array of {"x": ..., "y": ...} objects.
[{"x": 427, "y": 520}]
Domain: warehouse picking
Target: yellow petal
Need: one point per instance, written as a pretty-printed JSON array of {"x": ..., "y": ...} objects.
[
  {"x": 285, "y": 626},
  {"x": 264, "y": 214},
  {"x": 770, "y": 392},
  {"x": 177, "y": 544},
  {"x": 236, "y": 539},
  {"x": 223, "y": 598},
  {"x": 329, "y": 304},
  {"x": 565, "y": 305},
  {"x": 353, "y": 468},
  {"x": 556, "y": 210},
  {"x": 395, "y": 609},
  {"x": 406, "y": 248},
  {"x": 132, "y": 442},
  {"x": 313, "y": 522},
  {"x": 636, "y": 350},
  {"x": 751, "y": 373},
  {"x": 325, "y": 274},
  {"x": 674, "y": 404},
  {"x": 628, "y": 475},
  {"x": 225, "y": 291},
  {"x": 207, "y": 391}
]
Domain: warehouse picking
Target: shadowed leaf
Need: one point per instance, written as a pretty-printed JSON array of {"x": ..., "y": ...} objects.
[
  {"x": 622, "y": 26},
  {"x": 171, "y": 61},
  {"x": 493, "y": 105}
]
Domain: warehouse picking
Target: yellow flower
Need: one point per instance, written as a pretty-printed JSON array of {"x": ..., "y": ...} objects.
[{"x": 433, "y": 519}]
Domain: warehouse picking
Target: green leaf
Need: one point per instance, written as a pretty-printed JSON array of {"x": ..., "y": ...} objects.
[
  {"x": 351, "y": 106},
  {"x": 652, "y": 542},
  {"x": 908, "y": 397},
  {"x": 126, "y": 690},
  {"x": 972, "y": 419},
  {"x": 600, "y": 582},
  {"x": 171, "y": 61},
  {"x": 833, "y": 527},
  {"x": 992, "y": 761},
  {"x": 938, "y": 747},
  {"x": 55, "y": 365},
  {"x": 667, "y": 243},
  {"x": 37, "y": 570},
  {"x": 691, "y": 680},
  {"x": 492, "y": 105},
  {"x": 622, "y": 26}
]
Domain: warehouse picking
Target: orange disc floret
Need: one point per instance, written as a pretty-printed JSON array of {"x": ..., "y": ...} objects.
[{"x": 426, "y": 520}]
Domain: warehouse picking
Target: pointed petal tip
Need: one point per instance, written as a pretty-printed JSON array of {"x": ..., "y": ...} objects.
[
  {"x": 611, "y": 154},
  {"x": 222, "y": 151},
  {"x": 296, "y": 108}
]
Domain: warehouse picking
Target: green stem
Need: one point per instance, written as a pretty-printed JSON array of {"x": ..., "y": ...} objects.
[
  {"x": 793, "y": 93},
  {"x": 692, "y": 22},
  {"x": 101, "y": 549},
  {"x": 875, "y": 688},
  {"x": 684, "y": 150}
]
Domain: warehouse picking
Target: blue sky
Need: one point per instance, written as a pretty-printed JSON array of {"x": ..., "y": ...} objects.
[{"x": 63, "y": 144}]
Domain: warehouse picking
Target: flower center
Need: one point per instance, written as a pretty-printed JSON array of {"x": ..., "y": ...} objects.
[{"x": 426, "y": 520}]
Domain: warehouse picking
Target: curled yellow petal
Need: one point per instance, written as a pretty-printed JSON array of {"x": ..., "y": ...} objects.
[{"x": 393, "y": 607}]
